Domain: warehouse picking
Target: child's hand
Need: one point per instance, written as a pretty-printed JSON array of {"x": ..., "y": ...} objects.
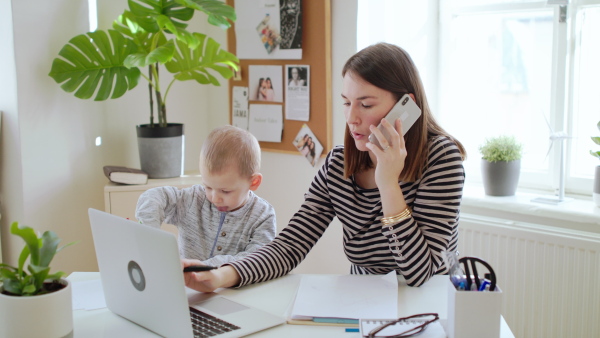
[{"x": 209, "y": 281}]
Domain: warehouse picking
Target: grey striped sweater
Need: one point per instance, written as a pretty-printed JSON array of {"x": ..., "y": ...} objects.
[{"x": 243, "y": 231}]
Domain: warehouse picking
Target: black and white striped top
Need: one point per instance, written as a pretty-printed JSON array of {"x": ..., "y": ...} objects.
[{"x": 412, "y": 247}]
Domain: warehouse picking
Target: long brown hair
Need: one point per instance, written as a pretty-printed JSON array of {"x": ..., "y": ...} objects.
[{"x": 390, "y": 68}]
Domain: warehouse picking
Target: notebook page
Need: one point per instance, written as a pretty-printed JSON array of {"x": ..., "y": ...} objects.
[{"x": 347, "y": 296}]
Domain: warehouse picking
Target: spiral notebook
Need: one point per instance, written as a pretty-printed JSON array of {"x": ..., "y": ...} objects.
[{"x": 433, "y": 330}]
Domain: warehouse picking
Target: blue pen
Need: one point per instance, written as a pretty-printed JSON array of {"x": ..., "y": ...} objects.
[{"x": 485, "y": 284}]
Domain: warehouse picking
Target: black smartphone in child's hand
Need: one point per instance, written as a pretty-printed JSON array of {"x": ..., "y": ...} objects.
[{"x": 407, "y": 110}]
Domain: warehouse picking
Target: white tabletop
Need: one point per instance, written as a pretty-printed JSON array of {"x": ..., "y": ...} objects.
[{"x": 276, "y": 297}]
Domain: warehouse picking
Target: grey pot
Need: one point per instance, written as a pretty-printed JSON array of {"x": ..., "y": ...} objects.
[
  {"x": 161, "y": 150},
  {"x": 500, "y": 178}
]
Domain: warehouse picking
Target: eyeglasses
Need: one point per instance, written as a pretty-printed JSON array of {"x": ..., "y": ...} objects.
[{"x": 414, "y": 328}]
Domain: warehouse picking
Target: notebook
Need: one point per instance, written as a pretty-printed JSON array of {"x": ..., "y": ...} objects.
[{"x": 143, "y": 282}]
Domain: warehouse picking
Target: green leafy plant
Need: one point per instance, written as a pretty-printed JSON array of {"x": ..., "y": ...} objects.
[
  {"x": 596, "y": 140},
  {"x": 501, "y": 148},
  {"x": 106, "y": 64},
  {"x": 40, "y": 251}
]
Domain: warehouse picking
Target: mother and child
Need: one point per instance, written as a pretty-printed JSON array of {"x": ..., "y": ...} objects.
[{"x": 398, "y": 204}]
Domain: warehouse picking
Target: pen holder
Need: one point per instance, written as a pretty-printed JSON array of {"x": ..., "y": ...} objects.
[{"x": 473, "y": 313}]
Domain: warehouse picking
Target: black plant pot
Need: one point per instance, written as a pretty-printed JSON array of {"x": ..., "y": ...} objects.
[{"x": 161, "y": 150}]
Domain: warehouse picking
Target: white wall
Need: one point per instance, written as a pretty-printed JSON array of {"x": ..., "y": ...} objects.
[{"x": 51, "y": 171}]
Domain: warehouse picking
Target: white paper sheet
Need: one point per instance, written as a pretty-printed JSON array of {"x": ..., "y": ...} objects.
[
  {"x": 266, "y": 122},
  {"x": 348, "y": 296},
  {"x": 240, "y": 107},
  {"x": 259, "y": 31},
  {"x": 88, "y": 295}
]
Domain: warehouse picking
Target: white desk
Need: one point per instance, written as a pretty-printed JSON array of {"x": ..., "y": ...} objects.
[{"x": 277, "y": 297}]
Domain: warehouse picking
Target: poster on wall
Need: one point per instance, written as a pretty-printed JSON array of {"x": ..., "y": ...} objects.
[
  {"x": 297, "y": 92},
  {"x": 239, "y": 105},
  {"x": 269, "y": 29}
]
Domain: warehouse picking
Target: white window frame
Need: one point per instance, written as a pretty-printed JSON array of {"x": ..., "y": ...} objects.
[{"x": 563, "y": 46}]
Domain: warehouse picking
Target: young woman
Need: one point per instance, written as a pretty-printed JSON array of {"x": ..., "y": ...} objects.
[{"x": 398, "y": 204}]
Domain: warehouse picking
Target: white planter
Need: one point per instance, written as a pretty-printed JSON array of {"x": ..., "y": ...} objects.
[
  {"x": 47, "y": 316},
  {"x": 596, "y": 193}
]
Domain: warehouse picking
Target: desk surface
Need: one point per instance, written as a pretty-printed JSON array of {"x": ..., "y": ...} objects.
[{"x": 276, "y": 297}]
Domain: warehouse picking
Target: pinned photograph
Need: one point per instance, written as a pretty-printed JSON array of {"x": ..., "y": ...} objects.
[
  {"x": 308, "y": 145},
  {"x": 266, "y": 83},
  {"x": 269, "y": 35}
]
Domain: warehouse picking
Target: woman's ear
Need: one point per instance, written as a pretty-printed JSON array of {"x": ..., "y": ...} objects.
[
  {"x": 412, "y": 96},
  {"x": 255, "y": 181}
]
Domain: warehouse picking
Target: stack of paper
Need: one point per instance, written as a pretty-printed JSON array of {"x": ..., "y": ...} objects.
[{"x": 345, "y": 299}]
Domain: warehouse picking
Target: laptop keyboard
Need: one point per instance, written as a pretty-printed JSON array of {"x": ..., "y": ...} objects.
[{"x": 205, "y": 325}]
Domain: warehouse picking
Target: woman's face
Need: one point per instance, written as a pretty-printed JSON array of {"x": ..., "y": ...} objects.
[
  {"x": 364, "y": 105},
  {"x": 295, "y": 73}
]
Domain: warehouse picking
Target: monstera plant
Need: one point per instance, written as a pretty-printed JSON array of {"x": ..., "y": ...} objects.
[{"x": 105, "y": 64}]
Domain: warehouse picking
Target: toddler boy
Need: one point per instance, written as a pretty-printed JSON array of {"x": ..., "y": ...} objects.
[{"x": 221, "y": 220}]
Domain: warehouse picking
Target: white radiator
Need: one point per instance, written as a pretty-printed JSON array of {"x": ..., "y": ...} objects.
[{"x": 550, "y": 277}]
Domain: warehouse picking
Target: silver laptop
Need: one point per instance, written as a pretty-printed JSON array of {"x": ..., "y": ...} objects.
[{"x": 143, "y": 282}]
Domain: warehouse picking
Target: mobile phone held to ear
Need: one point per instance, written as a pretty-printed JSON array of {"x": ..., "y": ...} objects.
[{"x": 407, "y": 110}]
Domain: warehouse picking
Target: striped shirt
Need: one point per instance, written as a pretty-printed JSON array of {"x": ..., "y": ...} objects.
[{"x": 413, "y": 247}]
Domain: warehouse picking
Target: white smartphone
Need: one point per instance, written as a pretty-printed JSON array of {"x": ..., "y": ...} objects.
[{"x": 407, "y": 110}]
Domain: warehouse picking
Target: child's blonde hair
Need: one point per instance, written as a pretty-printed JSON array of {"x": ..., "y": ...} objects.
[{"x": 228, "y": 146}]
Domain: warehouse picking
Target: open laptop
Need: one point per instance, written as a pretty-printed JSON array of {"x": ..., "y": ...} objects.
[{"x": 143, "y": 282}]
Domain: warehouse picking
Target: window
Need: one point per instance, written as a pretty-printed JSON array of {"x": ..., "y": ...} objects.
[{"x": 509, "y": 67}]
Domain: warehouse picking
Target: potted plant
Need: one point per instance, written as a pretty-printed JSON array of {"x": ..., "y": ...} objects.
[
  {"x": 501, "y": 165},
  {"x": 33, "y": 301},
  {"x": 106, "y": 64},
  {"x": 596, "y": 193}
]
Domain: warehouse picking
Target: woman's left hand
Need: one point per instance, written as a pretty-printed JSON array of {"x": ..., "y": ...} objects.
[{"x": 391, "y": 155}]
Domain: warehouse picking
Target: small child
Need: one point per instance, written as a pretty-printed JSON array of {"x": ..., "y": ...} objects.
[{"x": 221, "y": 220}]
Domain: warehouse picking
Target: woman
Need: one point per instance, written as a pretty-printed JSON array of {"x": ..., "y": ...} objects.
[
  {"x": 295, "y": 80},
  {"x": 398, "y": 204}
]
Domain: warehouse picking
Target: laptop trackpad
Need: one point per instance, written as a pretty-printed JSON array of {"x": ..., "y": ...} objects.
[{"x": 222, "y": 306}]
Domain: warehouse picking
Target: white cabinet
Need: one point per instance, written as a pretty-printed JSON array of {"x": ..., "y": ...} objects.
[{"x": 121, "y": 199}]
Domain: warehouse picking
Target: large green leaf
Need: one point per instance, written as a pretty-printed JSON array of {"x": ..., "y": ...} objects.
[
  {"x": 94, "y": 63},
  {"x": 32, "y": 243},
  {"x": 127, "y": 25},
  {"x": 161, "y": 54},
  {"x": 146, "y": 12},
  {"x": 194, "y": 64},
  {"x": 218, "y": 12},
  {"x": 49, "y": 246}
]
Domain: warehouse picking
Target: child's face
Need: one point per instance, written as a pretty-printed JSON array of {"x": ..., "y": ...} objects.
[{"x": 227, "y": 190}]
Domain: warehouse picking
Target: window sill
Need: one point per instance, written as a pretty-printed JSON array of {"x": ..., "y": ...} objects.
[{"x": 578, "y": 213}]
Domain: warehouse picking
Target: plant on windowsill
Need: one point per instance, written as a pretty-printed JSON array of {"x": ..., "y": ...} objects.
[
  {"x": 501, "y": 165},
  {"x": 596, "y": 192},
  {"x": 33, "y": 301},
  {"x": 106, "y": 64}
]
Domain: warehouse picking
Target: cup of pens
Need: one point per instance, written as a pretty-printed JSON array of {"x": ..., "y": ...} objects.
[{"x": 474, "y": 299}]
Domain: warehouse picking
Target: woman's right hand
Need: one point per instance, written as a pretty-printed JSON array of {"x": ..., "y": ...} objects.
[{"x": 209, "y": 281}]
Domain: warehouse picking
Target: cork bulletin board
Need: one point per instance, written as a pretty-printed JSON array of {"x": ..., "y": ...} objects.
[{"x": 316, "y": 53}]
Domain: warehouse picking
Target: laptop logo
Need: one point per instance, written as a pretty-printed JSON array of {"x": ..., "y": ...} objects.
[{"x": 136, "y": 276}]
